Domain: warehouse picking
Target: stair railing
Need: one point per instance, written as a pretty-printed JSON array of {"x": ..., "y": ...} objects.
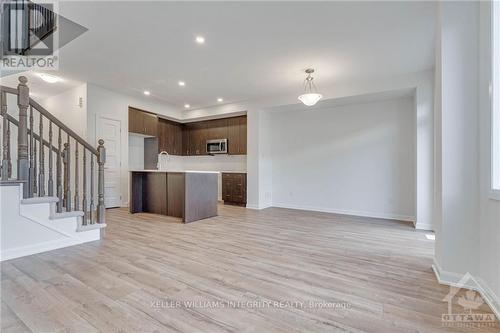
[{"x": 32, "y": 161}]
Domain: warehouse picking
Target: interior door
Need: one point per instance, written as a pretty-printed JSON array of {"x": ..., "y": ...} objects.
[{"x": 110, "y": 131}]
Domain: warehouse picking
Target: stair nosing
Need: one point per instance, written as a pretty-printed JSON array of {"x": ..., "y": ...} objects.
[
  {"x": 63, "y": 215},
  {"x": 91, "y": 227},
  {"x": 39, "y": 200}
]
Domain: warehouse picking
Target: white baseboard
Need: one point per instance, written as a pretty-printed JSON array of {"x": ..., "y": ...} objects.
[
  {"x": 388, "y": 216},
  {"x": 249, "y": 206},
  {"x": 423, "y": 226},
  {"x": 474, "y": 283},
  {"x": 38, "y": 248}
]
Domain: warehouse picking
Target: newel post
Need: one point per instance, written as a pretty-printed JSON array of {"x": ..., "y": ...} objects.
[
  {"x": 23, "y": 102},
  {"x": 101, "y": 159}
]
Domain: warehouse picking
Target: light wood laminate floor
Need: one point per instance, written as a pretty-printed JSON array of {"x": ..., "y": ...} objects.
[{"x": 148, "y": 270}]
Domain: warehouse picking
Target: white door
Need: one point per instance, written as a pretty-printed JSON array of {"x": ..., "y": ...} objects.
[{"x": 110, "y": 131}]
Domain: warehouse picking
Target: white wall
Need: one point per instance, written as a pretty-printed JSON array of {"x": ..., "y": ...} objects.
[
  {"x": 106, "y": 103},
  {"x": 259, "y": 180},
  {"x": 135, "y": 152},
  {"x": 356, "y": 159},
  {"x": 467, "y": 219},
  {"x": 66, "y": 108},
  {"x": 489, "y": 241},
  {"x": 457, "y": 135}
]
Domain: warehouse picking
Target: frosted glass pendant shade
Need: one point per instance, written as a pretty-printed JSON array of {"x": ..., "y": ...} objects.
[{"x": 310, "y": 99}]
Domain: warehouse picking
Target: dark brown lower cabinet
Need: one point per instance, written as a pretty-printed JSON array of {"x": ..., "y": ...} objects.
[
  {"x": 234, "y": 188},
  {"x": 154, "y": 193},
  {"x": 191, "y": 196}
]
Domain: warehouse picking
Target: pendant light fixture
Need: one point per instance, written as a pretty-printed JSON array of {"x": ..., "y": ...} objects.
[{"x": 311, "y": 95}]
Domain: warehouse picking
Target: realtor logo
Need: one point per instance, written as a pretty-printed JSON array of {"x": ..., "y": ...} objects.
[
  {"x": 470, "y": 315},
  {"x": 28, "y": 28},
  {"x": 30, "y": 35}
]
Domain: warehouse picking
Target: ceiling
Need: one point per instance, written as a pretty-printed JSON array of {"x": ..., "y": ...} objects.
[
  {"x": 40, "y": 89},
  {"x": 253, "y": 49}
]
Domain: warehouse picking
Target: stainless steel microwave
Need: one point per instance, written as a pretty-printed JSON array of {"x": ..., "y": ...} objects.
[{"x": 218, "y": 146}]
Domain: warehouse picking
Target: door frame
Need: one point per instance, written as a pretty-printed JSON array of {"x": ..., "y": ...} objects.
[{"x": 98, "y": 131}]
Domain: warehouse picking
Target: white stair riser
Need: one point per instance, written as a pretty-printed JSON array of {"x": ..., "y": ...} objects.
[{"x": 28, "y": 229}]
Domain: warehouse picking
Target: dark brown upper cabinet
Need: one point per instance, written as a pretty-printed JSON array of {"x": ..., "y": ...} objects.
[
  {"x": 198, "y": 133},
  {"x": 142, "y": 122},
  {"x": 237, "y": 135},
  {"x": 242, "y": 149},
  {"x": 188, "y": 139},
  {"x": 217, "y": 129},
  {"x": 186, "y": 148},
  {"x": 169, "y": 137}
]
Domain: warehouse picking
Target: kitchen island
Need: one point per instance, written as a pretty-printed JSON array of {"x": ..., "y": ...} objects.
[{"x": 190, "y": 195}]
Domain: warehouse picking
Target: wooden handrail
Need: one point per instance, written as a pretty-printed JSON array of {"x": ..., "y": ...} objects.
[
  {"x": 28, "y": 164},
  {"x": 54, "y": 120},
  {"x": 14, "y": 121}
]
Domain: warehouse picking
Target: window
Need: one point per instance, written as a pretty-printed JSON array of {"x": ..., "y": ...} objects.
[{"x": 495, "y": 94}]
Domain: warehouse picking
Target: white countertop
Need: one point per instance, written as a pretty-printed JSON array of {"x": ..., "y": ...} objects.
[{"x": 180, "y": 171}]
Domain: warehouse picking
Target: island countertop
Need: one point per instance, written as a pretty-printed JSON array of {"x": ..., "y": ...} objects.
[
  {"x": 190, "y": 195},
  {"x": 175, "y": 171}
]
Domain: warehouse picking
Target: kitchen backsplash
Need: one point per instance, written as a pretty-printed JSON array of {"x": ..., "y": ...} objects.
[{"x": 207, "y": 163}]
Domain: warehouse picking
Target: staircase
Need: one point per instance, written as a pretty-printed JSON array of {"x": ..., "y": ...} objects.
[{"x": 41, "y": 207}]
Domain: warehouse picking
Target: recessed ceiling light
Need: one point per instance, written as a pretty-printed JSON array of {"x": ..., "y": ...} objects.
[
  {"x": 147, "y": 93},
  {"x": 49, "y": 78},
  {"x": 220, "y": 99},
  {"x": 200, "y": 39},
  {"x": 182, "y": 83},
  {"x": 187, "y": 106}
]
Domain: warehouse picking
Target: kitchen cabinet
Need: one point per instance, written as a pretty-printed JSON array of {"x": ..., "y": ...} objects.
[
  {"x": 188, "y": 139},
  {"x": 169, "y": 137},
  {"x": 198, "y": 133},
  {"x": 186, "y": 149},
  {"x": 234, "y": 188},
  {"x": 217, "y": 129},
  {"x": 142, "y": 122},
  {"x": 237, "y": 135},
  {"x": 242, "y": 149},
  {"x": 154, "y": 192},
  {"x": 191, "y": 195}
]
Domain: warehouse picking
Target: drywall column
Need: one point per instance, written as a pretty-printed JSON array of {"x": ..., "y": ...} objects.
[
  {"x": 489, "y": 208},
  {"x": 457, "y": 237},
  {"x": 265, "y": 161},
  {"x": 424, "y": 154},
  {"x": 259, "y": 162},
  {"x": 253, "y": 117}
]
